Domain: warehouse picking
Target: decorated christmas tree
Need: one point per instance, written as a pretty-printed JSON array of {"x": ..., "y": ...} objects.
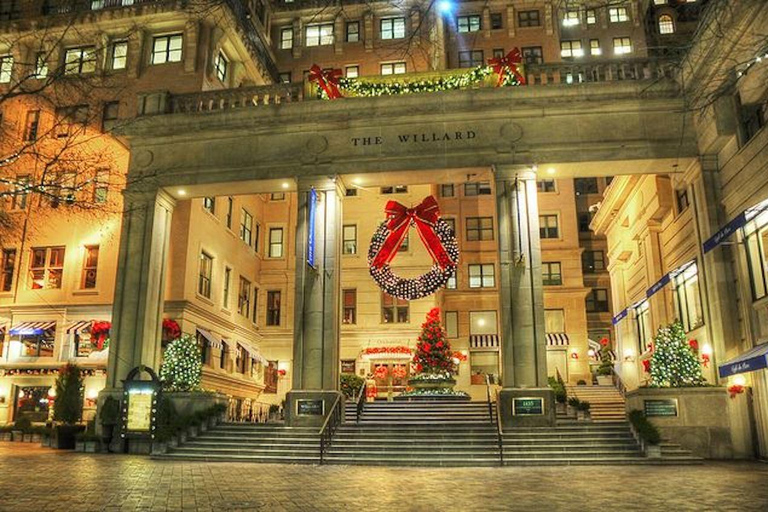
[
  {"x": 674, "y": 363},
  {"x": 433, "y": 351},
  {"x": 182, "y": 365}
]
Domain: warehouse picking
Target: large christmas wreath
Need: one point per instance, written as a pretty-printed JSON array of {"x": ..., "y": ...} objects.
[{"x": 435, "y": 233}]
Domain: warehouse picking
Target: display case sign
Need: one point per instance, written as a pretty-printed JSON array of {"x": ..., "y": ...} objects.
[
  {"x": 139, "y": 411},
  {"x": 310, "y": 407},
  {"x": 139, "y": 404},
  {"x": 533, "y": 406},
  {"x": 664, "y": 407}
]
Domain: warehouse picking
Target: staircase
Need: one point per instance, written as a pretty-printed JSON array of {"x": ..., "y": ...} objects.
[
  {"x": 606, "y": 403},
  {"x": 417, "y": 434}
]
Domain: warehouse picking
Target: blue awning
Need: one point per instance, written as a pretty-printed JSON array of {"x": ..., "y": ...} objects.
[
  {"x": 32, "y": 328},
  {"x": 749, "y": 361}
]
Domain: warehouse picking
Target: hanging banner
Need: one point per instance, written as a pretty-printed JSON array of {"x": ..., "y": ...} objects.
[
  {"x": 311, "y": 221},
  {"x": 658, "y": 285},
  {"x": 725, "y": 232},
  {"x": 620, "y": 316}
]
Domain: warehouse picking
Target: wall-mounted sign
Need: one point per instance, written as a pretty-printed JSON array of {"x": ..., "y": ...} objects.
[
  {"x": 311, "y": 220},
  {"x": 662, "y": 407},
  {"x": 533, "y": 406},
  {"x": 310, "y": 407},
  {"x": 347, "y": 366}
]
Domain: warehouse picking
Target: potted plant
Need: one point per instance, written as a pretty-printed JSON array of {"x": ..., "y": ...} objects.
[
  {"x": 604, "y": 372},
  {"x": 20, "y": 426},
  {"x": 647, "y": 433},
  {"x": 68, "y": 407},
  {"x": 573, "y": 405},
  {"x": 582, "y": 411},
  {"x": 37, "y": 434},
  {"x": 5, "y": 433},
  {"x": 201, "y": 417},
  {"x": 560, "y": 394},
  {"x": 274, "y": 412},
  {"x": 46, "y": 433},
  {"x": 109, "y": 414},
  {"x": 163, "y": 436}
]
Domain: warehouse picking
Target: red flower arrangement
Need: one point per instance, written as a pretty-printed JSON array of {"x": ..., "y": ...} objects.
[
  {"x": 381, "y": 372},
  {"x": 171, "y": 329},
  {"x": 399, "y": 372},
  {"x": 459, "y": 356},
  {"x": 604, "y": 342},
  {"x": 100, "y": 333},
  {"x": 694, "y": 345},
  {"x": 736, "y": 389},
  {"x": 705, "y": 360},
  {"x": 387, "y": 350},
  {"x": 281, "y": 373},
  {"x": 647, "y": 365}
]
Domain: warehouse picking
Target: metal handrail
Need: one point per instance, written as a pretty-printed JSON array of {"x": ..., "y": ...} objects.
[
  {"x": 618, "y": 383},
  {"x": 499, "y": 430},
  {"x": 329, "y": 426},
  {"x": 360, "y": 402},
  {"x": 488, "y": 396}
]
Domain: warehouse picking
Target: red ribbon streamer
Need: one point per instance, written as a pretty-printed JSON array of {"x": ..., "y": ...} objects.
[
  {"x": 511, "y": 63},
  {"x": 424, "y": 217},
  {"x": 327, "y": 80}
]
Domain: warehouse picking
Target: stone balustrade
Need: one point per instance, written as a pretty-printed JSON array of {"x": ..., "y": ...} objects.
[{"x": 242, "y": 97}]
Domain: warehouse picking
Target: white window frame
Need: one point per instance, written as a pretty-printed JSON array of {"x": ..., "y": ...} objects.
[
  {"x": 164, "y": 48},
  {"x": 392, "y": 28},
  {"x": 393, "y": 68},
  {"x": 482, "y": 275},
  {"x": 319, "y": 34}
]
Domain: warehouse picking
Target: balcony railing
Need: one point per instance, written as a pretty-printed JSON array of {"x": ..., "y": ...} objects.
[
  {"x": 562, "y": 73},
  {"x": 70, "y": 6}
]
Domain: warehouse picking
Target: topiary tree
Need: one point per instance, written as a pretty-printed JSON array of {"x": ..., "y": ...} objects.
[
  {"x": 182, "y": 366},
  {"x": 673, "y": 363},
  {"x": 68, "y": 406},
  {"x": 433, "y": 351}
]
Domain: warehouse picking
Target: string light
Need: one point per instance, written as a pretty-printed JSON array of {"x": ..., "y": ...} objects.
[
  {"x": 182, "y": 366},
  {"x": 674, "y": 363}
]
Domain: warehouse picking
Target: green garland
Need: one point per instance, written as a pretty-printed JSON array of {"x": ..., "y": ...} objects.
[{"x": 362, "y": 88}]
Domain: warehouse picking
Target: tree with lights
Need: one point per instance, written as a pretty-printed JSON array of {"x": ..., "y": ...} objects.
[
  {"x": 673, "y": 363},
  {"x": 182, "y": 366},
  {"x": 433, "y": 351}
]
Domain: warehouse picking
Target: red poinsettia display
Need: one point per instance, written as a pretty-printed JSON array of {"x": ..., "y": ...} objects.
[
  {"x": 694, "y": 345},
  {"x": 171, "y": 329},
  {"x": 399, "y": 372},
  {"x": 459, "y": 356},
  {"x": 381, "y": 372},
  {"x": 604, "y": 342},
  {"x": 100, "y": 333},
  {"x": 387, "y": 350},
  {"x": 433, "y": 351},
  {"x": 735, "y": 389}
]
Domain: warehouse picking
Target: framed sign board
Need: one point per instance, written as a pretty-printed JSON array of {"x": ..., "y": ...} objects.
[
  {"x": 139, "y": 404},
  {"x": 661, "y": 407},
  {"x": 139, "y": 410},
  {"x": 533, "y": 406},
  {"x": 310, "y": 407}
]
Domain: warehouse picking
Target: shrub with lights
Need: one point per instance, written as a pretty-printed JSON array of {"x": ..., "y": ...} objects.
[
  {"x": 673, "y": 363},
  {"x": 182, "y": 366}
]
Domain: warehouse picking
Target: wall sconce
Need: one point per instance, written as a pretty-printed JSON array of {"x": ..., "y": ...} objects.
[
  {"x": 591, "y": 353},
  {"x": 706, "y": 355},
  {"x": 574, "y": 354},
  {"x": 738, "y": 387},
  {"x": 629, "y": 355}
]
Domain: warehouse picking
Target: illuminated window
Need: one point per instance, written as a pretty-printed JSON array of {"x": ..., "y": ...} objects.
[
  {"x": 273, "y": 308},
  {"x": 392, "y": 28},
  {"x": 46, "y": 267},
  {"x": 393, "y": 310},
  {"x": 6, "y": 69},
  {"x": 119, "y": 55},
  {"x": 571, "y": 18},
  {"x": 41, "y": 65},
  {"x": 209, "y": 204},
  {"x": 80, "y": 61},
  {"x": 393, "y": 68},
  {"x": 275, "y": 242},
  {"x": 622, "y": 45},
  {"x": 319, "y": 35},
  {"x": 353, "y": 31},
  {"x": 666, "y": 25},
  {"x": 221, "y": 64},
  {"x": 594, "y": 47},
  {"x": 349, "y": 239},
  {"x": 469, "y": 23},
  {"x": 482, "y": 275},
  {"x": 479, "y": 228},
  {"x": 286, "y": 38},
  {"x": 591, "y": 16},
  {"x": 350, "y": 306},
  {"x": 167, "y": 48},
  {"x": 618, "y": 14},
  {"x": 204, "y": 275},
  {"x": 551, "y": 273},
  {"x": 688, "y": 298},
  {"x": 549, "y": 226},
  {"x": 90, "y": 267},
  {"x": 570, "y": 49},
  {"x": 352, "y": 71},
  {"x": 244, "y": 297}
]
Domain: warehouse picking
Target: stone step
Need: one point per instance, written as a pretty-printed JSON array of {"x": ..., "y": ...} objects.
[
  {"x": 594, "y": 453},
  {"x": 355, "y": 460},
  {"x": 224, "y": 457},
  {"x": 292, "y": 452},
  {"x": 599, "y": 461}
]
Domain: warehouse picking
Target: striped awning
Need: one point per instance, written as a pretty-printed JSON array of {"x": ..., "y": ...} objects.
[
  {"x": 557, "y": 339},
  {"x": 212, "y": 342},
  {"x": 484, "y": 341},
  {"x": 78, "y": 327},
  {"x": 32, "y": 328}
]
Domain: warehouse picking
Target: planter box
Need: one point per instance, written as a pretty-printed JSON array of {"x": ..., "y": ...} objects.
[
  {"x": 182, "y": 437},
  {"x": 173, "y": 442},
  {"x": 159, "y": 447},
  {"x": 6, "y": 436},
  {"x": 18, "y": 436},
  {"x": 604, "y": 380},
  {"x": 79, "y": 446},
  {"x": 583, "y": 416},
  {"x": 36, "y": 438},
  {"x": 27, "y": 437},
  {"x": 652, "y": 451},
  {"x": 64, "y": 436},
  {"x": 45, "y": 440},
  {"x": 192, "y": 432},
  {"x": 91, "y": 446}
]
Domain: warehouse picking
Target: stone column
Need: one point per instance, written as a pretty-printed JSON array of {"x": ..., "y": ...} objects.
[
  {"x": 316, "y": 305},
  {"x": 138, "y": 305},
  {"x": 521, "y": 304}
]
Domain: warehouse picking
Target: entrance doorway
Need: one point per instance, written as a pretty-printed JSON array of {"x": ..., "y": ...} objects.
[
  {"x": 391, "y": 377},
  {"x": 32, "y": 402}
]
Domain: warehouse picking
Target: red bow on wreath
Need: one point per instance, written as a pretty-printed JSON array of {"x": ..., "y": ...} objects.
[
  {"x": 511, "y": 63},
  {"x": 171, "y": 329},
  {"x": 327, "y": 80},
  {"x": 425, "y": 217}
]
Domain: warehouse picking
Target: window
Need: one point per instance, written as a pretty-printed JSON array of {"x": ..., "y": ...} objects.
[
  {"x": 46, "y": 267},
  {"x": 209, "y": 203},
  {"x": 244, "y": 297},
  {"x": 284, "y": 78},
  {"x": 569, "y": 49},
  {"x": 255, "y": 311},
  {"x": 349, "y": 239},
  {"x": 479, "y": 228},
  {"x": 452, "y": 324},
  {"x": 597, "y": 301},
  {"x": 592, "y": 261},
  {"x": 551, "y": 274},
  {"x": 471, "y": 59},
  {"x": 166, "y": 49},
  {"x": 37, "y": 345},
  {"x": 666, "y": 25},
  {"x": 275, "y": 242},
  {"x": 688, "y": 298},
  {"x": 571, "y": 18},
  {"x": 594, "y": 47},
  {"x": 617, "y": 14},
  {"x": 31, "y": 124},
  {"x": 549, "y": 226},
  {"x": 393, "y": 68},
  {"x": 273, "y": 308},
  {"x": 584, "y": 218},
  {"x": 352, "y": 71},
  {"x": 6, "y": 69},
  {"x": 622, "y": 45},
  {"x": 221, "y": 65},
  {"x": 319, "y": 35},
  {"x": 393, "y": 28},
  {"x": 546, "y": 186},
  {"x": 397, "y": 189},
  {"x": 353, "y": 31},
  {"x": 204, "y": 275},
  {"x": 393, "y": 310},
  {"x": 79, "y": 61},
  {"x": 246, "y": 226},
  {"x": 256, "y": 236},
  {"x": 119, "y": 55},
  {"x": 7, "y": 266},
  {"x": 451, "y": 223},
  {"x": 227, "y": 283},
  {"x": 482, "y": 275},
  {"x": 241, "y": 358},
  {"x": 63, "y": 187},
  {"x": 643, "y": 326},
  {"x": 498, "y": 53},
  {"x": 203, "y": 346},
  {"x": 497, "y": 21},
  {"x": 591, "y": 16},
  {"x": 446, "y": 190},
  {"x": 350, "y": 307},
  {"x": 451, "y": 283},
  {"x": 469, "y": 23},
  {"x": 70, "y": 120},
  {"x": 482, "y": 188},
  {"x": 41, "y": 65},
  {"x": 286, "y": 38},
  {"x": 554, "y": 320},
  {"x": 230, "y": 205},
  {"x": 101, "y": 186},
  {"x": 681, "y": 199},
  {"x": 528, "y": 19},
  {"x": 19, "y": 199},
  {"x": 90, "y": 267},
  {"x": 350, "y": 192},
  {"x": 224, "y": 355},
  {"x": 532, "y": 54},
  {"x": 109, "y": 115}
]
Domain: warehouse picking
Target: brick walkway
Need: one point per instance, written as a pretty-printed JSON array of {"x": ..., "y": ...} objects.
[{"x": 33, "y": 478}]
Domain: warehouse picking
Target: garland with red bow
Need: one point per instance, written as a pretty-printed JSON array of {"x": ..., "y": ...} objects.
[
  {"x": 327, "y": 80},
  {"x": 100, "y": 334},
  {"x": 508, "y": 68},
  {"x": 436, "y": 235}
]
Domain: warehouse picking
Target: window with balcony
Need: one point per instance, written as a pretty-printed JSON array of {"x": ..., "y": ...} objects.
[
  {"x": 622, "y": 45},
  {"x": 471, "y": 23},
  {"x": 46, "y": 267},
  {"x": 479, "y": 228},
  {"x": 394, "y": 310},
  {"x": 319, "y": 35},
  {"x": 482, "y": 275},
  {"x": 392, "y": 28},
  {"x": 90, "y": 267},
  {"x": 551, "y": 273},
  {"x": 167, "y": 48}
]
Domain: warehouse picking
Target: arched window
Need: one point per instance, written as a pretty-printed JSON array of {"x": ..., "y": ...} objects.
[{"x": 666, "y": 25}]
